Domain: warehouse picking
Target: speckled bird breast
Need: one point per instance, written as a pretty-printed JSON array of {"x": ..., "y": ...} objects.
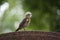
[{"x": 26, "y": 23}]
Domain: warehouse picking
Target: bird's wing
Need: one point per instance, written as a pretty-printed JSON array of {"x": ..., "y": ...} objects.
[{"x": 22, "y": 23}]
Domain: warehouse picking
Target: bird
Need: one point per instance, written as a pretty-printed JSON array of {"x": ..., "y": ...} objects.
[{"x": 25, "y": 22}]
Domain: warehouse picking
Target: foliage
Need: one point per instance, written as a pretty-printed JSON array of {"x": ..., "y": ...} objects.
[
  {"x": 44, "y": 13},
  {"x": 9, "y": 17}
]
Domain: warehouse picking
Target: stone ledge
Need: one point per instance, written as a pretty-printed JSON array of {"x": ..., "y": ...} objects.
[{"x": 30, "y": 35}]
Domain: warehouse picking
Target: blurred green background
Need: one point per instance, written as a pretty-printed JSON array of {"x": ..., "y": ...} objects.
[{"x": 45, "y": 14}]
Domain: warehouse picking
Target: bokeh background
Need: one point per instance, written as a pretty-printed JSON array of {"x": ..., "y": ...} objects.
[{"x": 45, "y": 15}]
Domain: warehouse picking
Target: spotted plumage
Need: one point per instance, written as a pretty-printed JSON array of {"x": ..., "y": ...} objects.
[{"x": 25, "y": 22}]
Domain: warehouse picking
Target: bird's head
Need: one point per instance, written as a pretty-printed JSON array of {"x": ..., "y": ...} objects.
[{"x": 28, "y": 14}]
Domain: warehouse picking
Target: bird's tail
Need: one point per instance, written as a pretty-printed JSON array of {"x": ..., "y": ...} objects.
[{"x": 17, "y": 29}]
